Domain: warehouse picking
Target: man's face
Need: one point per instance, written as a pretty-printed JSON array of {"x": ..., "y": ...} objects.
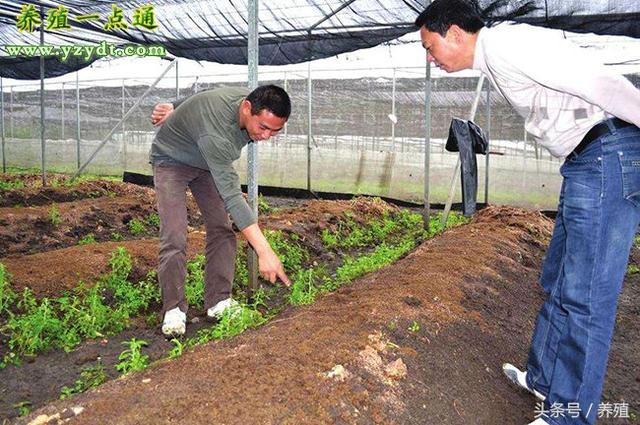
[
  {"x": 446, "y": 52},
  {"x": 263, "y": 125}
]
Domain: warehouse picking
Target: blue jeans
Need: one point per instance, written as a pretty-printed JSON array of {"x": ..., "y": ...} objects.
[{"x": 585, "y": 265}]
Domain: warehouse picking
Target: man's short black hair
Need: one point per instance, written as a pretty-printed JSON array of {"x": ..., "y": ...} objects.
[
  {"x": 271, "y": 98},
  {"x": 441, "y": 14}
]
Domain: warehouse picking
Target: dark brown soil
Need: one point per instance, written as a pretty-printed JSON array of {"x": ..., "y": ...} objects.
[{"x": 473, "y": 296}]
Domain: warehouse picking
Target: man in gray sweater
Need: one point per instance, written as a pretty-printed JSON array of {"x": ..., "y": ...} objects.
[{"x": 199, "y": 139}]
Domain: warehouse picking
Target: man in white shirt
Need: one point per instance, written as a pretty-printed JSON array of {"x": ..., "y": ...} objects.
[{"x": 580, "y": 111}]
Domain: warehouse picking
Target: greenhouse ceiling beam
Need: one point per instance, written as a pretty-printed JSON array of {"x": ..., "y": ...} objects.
[
  {"x": 124, "y": 118},
  {"x": 329, "y": 16}
]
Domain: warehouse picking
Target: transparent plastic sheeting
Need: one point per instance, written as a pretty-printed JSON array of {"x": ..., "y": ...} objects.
[{"x": 355, "y": 146}]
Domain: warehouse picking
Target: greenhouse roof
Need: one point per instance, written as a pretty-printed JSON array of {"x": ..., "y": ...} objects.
[{"x": 290, "y": 32}]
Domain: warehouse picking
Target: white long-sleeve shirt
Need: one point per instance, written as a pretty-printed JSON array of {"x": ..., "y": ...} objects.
[{"x": 558, "y": 89}]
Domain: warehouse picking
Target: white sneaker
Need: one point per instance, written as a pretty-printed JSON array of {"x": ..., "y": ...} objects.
[
  {"x": 218, "y": 310},
  {"x": 519, "y": 379},
  {"x": 539, "y": 421},
  {"x": 174, "y": 323}
]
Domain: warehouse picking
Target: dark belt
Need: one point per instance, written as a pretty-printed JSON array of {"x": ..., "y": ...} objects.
[{"x": 597, "y": 131}]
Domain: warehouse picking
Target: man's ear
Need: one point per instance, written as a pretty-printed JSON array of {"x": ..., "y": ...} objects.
[
  {"x": 455, "y": 33},
  {"x": 245, "y": 106}
]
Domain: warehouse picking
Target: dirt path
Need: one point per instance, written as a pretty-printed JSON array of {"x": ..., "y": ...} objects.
[{"x": 473, "y": 295}]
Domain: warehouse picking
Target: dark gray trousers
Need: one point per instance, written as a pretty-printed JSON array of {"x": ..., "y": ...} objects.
[{"x": 171, "y": 182}]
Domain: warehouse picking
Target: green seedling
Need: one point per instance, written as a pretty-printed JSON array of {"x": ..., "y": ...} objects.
[
  {"x": 11, "y": 185},
  {"x": 303, "y": 290},
  {"x": 23, "y": 408},
  {"x": 194, "y": 286},
  {"x": 136, "y": 227},
  {"x": 54, "y": 216},
  {"x": 263, "y": 206},
  {"x": 178, "y": 348},
  {"x": 117, "y": 236},
  {"x": 153, "y": 220},
  {"x": 132, "y": 359},
  {"x": 633, "y": 269},
  {"x": 414, "y": 327},
  {"x": 87, "y": 240},
  {"x": 7, "y": 296},
  {"x": 90, "y": 377}
]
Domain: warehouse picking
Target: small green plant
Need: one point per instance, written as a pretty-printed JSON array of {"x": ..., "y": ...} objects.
[
  {"x": 233, "y": 322},
  {"x": 54, "y": 216},
  {"x": 303, "y": 290},
  {"x": 153, "y": 220},
  {"x": 87, "y": 240},
  {"x": 11, "y": 185},
  {"x": 7, "y": 296},
  {"x": 263, "y": 206},
  {"x": 633, "y": 269},
  {"x": 90, "y": 377},
  {"x": 23, "y": 408},
  {"x": 132, "y": 359},
  {"x": 178, "y": 348},
  {"x": 194, "y": 286},
  {"x": 292, "y": 254},
  {"x": 414, "y": 327},
  {"x": 136, "y": 227},
  {"x": 117, "y": 236},
  {"x": 636, "y": 240}
]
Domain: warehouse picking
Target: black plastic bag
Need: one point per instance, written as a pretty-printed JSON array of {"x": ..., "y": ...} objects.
[{"x": 468, "y": 139}]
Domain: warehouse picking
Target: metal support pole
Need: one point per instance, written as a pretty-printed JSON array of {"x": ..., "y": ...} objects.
[
  {"x": 309, "y": 113},
  {"x": 124, "y": 133},
  {"x": 426, "y": 214},
  {"x": 177, "y": 83},
  {"x": 42, "y": 111},
  {"x": 11, "y": 113},
  {"x": 393, "y": 112},
  {"x": 286, "y": 125},
  {"x": 77, "y": 120},
  {"x": 486, "y": 159},
  {"x": 62, "y": 109},
  {"x": 252, "y": 154},
  {"x": 4, "y": 155},
  {"x": 129, "y": 112},
  {"x": 454, "y": 179}
]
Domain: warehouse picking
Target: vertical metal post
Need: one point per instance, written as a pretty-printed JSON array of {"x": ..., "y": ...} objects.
[
  {"x": 252, "y": 154},
  {"x": 426, "y": 214},
  {"x": 62, "y": 109},
  {"x": 524, "y": 160},
  {"x": 177, "y": 82},
  {"x": 393, "y": 112},
  {"x": 4, "y": 156},
  {"x": 42, "y": 111},
  {"x": 11, "y": 112},
  {"x": 124, "y": 133},
  {"x": 77, "y": 120},
  {"x": 486, "y": 159},
  {"x": 309, "y": 112},
  {"x": 286, "y": 125}
]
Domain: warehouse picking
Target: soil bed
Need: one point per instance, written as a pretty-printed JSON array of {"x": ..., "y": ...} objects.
[{"x": 419, "y": 342}]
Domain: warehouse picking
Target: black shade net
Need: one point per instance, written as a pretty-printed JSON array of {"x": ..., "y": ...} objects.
[{"x": 290, "y": 31}]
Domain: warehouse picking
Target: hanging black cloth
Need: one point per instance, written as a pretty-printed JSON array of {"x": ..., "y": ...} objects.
[{"x": 468, "y": 139}]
